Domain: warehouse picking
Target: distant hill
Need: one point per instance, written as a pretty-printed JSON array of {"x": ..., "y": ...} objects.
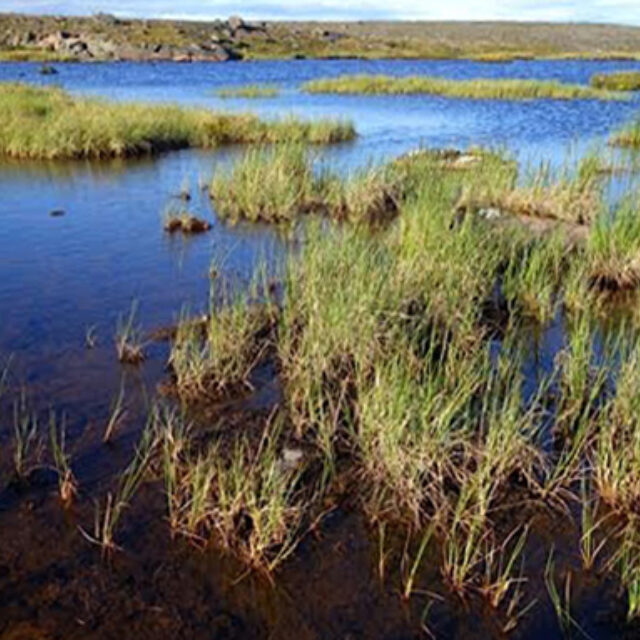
[{"x": 105, "y": 37}]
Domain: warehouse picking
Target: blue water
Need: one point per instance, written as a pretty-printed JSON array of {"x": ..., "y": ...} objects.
[{"x": 59, "y": 276}]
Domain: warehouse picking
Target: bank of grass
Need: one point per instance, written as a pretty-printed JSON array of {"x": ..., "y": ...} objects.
[
  {"x": 34, "y": 55},
  {"x": 253, "y": 91},
  {"x": 49, "y": 123},
  {"x": 279, "y": 184},
  {"x": 478, "y": 89},
  {"x": 502, "y": 56},
  {"x": 618, "y": 81}
]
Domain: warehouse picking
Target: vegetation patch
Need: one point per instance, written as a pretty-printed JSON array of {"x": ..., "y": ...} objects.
[
  {"x": 479, "y": 89},
  {"x": 618, "y": 81},
  {"x": 576, "y": 200},
  {"x": 249, "y": 92},
  {"x": 629, "y": 136},
  {"x": 278, "y": 184},
  {"x": 50, "y": 123}
]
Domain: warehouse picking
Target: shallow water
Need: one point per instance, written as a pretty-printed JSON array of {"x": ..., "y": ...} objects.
[{"x": 61, "y": 275}]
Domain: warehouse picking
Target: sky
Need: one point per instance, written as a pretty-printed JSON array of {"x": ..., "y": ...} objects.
[{"x": 610, "y": 11}]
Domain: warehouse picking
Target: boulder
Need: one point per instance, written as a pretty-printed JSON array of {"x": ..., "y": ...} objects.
[
  {"x": 235, "y": 22},
  {"x": 106, "y": 19}
]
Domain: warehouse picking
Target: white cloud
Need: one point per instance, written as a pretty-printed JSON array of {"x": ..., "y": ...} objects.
[{"x": 621, "y": 11}]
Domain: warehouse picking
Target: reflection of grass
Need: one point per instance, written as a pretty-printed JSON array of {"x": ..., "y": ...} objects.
[
  {"x": 479, "y": 89},
  {"x": 249, "y": 91},
  {"x": 50, "y": 123},
  {"x": 619, "y": 81}
]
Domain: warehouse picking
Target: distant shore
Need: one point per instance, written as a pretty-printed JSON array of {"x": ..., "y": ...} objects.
[{"x": 103, "y": 37}]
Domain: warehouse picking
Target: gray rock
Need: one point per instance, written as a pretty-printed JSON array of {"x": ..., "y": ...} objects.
[
  {"x": 292, "y": 458},
  {"x": 490, "y": 213},
  {"x": 106, "y": 19},
  {"x": 235, "y": 22}
]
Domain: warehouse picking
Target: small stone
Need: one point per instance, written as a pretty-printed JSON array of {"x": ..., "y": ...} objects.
[
  {"x": 291, "y": 458},
  {"x": 490, "y": 213}
]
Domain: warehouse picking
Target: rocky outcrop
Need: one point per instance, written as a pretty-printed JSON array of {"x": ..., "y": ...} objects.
[
  {"x": 108, "y": 39},
  {"x": 78, "y": 46}
]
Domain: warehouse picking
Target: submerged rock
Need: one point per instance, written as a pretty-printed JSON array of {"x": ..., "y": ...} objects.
[{"x": 187, "y": 224}]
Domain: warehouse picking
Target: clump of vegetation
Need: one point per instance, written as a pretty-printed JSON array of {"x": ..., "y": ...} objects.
[
  {"x": 214, "y": 355},
  {"x": 267, "y": 184},
  {"x": 67, "y": 484},
  {"x": 629, "y": 136},
  {"x": 613, "y": 249},
  {"x": 575, "y": 199},
  {"x": 252, "y": 91},
  {"x": 618, "y": 81},
  {"x": 278, "y": 184},
  {"x": 108, "y": 518},
  {"x": 245, "y": 500},
  {"x": 50, "y": 123},
  {"x": 129, "y": 344},
  {"x": 478, "y": 89},
  {"x": 27, "y": 440}
]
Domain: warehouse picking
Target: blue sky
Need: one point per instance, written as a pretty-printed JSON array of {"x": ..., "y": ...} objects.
[{"x": 618, "y": 11}]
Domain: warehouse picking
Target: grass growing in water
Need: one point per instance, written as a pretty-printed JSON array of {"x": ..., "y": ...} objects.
[
  {"x": 277, "y": 184},
  {"x": 50, "y": 123},
  {"x": 478, "y": 89},
  {"x": 629, "y": 136},
  {"x": 270, "y": 184},
  {"x": 613, "y": 248},
  {"x": 249, "y": 91},
  {"x": 213, "y": 354},
  {"x": 67, "y": 484},
  {"x": 618, "y": 81}
]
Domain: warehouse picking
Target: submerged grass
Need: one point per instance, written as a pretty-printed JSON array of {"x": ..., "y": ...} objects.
[
  {"x": 478, "y": 89},
  {"x": 50, "y": 123}
]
